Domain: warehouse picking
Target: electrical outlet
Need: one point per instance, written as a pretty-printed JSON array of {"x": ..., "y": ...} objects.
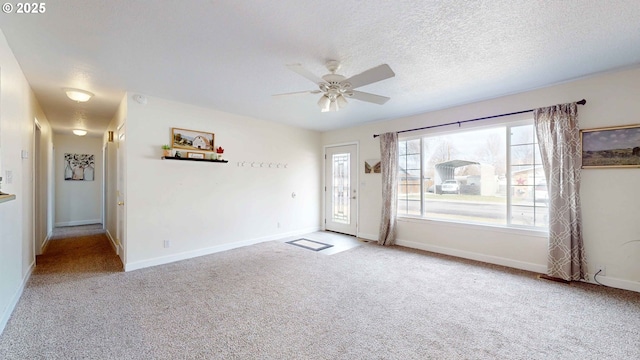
[
  {"x": 601, "y": 270},
  {"x": 167, "y": 243}
]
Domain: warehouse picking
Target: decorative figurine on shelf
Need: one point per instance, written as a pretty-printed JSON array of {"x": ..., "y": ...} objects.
[
  {"x": 219, "y": 151},
  {"x": 178, "y": 154},
  {"x": 166, "y": 150}
]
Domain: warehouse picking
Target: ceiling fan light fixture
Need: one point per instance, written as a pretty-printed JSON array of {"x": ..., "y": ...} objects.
[
  {"x": 341, "y": 101},
  {"x": 80, "y": 132},
  {"x": 337, "y": 88},
  {"x": 78, "y": 95},
  {"x": 324, "y": 103}
]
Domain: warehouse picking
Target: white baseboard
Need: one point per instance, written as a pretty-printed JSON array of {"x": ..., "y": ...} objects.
[
  {"x": 113, "y": 242},
  {"x": 615, "y": 283},
  {"x": 117, "y": 248},
  {"x": 78, "y": 222},
  {"x": 45, "y": 243},
  {"x": 16, "y": 297},
  {"x": 211, "y": 250},
  {"x": 537, "y": 268}
]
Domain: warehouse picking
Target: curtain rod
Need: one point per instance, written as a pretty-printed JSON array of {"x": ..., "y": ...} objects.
[{"x": 581, "y": 102}]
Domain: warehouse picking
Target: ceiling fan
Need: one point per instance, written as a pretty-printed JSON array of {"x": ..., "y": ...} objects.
[{"x": 335, "y": 88}]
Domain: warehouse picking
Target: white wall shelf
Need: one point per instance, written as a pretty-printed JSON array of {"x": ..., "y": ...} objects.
[{"x": 6, "y": 197}]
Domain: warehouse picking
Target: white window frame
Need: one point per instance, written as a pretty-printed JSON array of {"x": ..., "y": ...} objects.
[{"x": 508, "y": 227}]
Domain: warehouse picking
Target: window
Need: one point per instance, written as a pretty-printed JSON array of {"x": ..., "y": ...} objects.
[{"x": 488, "y": 176}]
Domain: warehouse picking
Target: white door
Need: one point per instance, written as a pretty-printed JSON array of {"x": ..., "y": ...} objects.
[
  {"x": 120, "y": 193},
  {"x": 340, "y": 191}
]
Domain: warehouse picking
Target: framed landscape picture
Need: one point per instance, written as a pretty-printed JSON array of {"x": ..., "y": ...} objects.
[
  {"x": 617, "y": 146},
  {"x": 191, "y": 139}
]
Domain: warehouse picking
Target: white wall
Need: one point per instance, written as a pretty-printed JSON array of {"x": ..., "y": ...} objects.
[
  {"x": 610, "y": 197},
  {"x": 18, "y": 108},
  {"x": 77, "y": 202},
  {"x": 204, "y": 207}
]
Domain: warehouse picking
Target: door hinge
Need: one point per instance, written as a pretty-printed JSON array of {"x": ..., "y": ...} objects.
[
  {"x": 325, "y": 221},
  {"x": 325, "y": 156}
]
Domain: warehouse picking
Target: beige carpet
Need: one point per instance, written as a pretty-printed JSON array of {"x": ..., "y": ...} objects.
[{"x": 277, "y": 301}]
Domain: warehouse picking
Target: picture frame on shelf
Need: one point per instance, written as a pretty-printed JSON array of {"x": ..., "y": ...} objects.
[
  {"x": 195, "y": 155},
  {"x": 611, "y": 147},
  {"x": 192, "y": 139}
]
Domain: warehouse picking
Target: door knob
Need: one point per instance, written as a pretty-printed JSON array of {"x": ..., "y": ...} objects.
[
  {"x": 120, "y": 203},
  {"x": 353, "y": 197}
]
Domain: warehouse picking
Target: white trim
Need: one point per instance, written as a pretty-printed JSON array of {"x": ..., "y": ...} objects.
[
  {"x": 78, "y": 222},
  {"x": 16, "y": 297},
  {"x": 211, "y": 250},
  {"x": 45, "y": 242},
  {"x": 477, "y": 227},
  {"x": 615, "y": 283},
  {"x": 103, "y": 208},
  {"x": 120, "y": 252},
  {"x": 537, "y": 268},
  {"x": 112, "y": 242}
]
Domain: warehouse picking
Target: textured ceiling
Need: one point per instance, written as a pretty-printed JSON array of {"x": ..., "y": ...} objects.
[{"x": 231, "y": 55}]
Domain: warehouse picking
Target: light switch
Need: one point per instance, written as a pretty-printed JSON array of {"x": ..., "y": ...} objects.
[
  {"x": 9, "y": 176},
  {"x": 25, "y": 154}
]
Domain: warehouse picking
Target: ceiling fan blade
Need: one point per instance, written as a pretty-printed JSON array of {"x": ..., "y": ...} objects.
[
  {"x": 299, "y": 93},
  {"x": 372, "y": 98},
  {"x": 370, "y": 76},
  {"x": 306, "y": 73}
]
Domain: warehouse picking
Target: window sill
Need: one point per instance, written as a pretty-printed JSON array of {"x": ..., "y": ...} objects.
[{"x": 477, "y": 227}]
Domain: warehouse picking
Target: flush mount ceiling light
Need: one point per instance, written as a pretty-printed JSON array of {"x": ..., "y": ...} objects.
[
  {"x": 78, "y": 95},
  {"x": 80, "y": 132}
]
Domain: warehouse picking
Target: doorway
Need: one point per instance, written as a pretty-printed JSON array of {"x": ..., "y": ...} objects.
[
  {"x": 39, "y": 191},
  {"x": 341, "y": 198},
  {"x": 120, "y": 193}
]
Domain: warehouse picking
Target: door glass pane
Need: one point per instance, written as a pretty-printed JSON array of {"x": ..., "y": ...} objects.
[{"x": 341, "y": 205}]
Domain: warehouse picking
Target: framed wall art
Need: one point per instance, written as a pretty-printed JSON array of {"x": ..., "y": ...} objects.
[
  {"x": 372, "y": 166},
  {"x": 611, "y": 147},
  {"x": 192, "y": 139},
  {"x": 79, "y": 167}
]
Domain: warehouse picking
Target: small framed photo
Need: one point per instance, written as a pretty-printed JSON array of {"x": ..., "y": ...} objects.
[
  {"x": 192, "y": 139},
  {"x": 611, "y": 147},
  {"x": 195, "y": 155}
]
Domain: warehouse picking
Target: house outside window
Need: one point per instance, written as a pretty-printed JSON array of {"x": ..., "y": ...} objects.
[{"x": 490, "y": 176}]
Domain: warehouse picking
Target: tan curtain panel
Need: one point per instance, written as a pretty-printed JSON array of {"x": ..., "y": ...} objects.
[
  {"x": 389, "y": 170},
  {"x": 559, "y": 138}
]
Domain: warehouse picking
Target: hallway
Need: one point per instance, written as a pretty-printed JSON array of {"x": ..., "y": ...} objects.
[{"x": 77, "y": 249}]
